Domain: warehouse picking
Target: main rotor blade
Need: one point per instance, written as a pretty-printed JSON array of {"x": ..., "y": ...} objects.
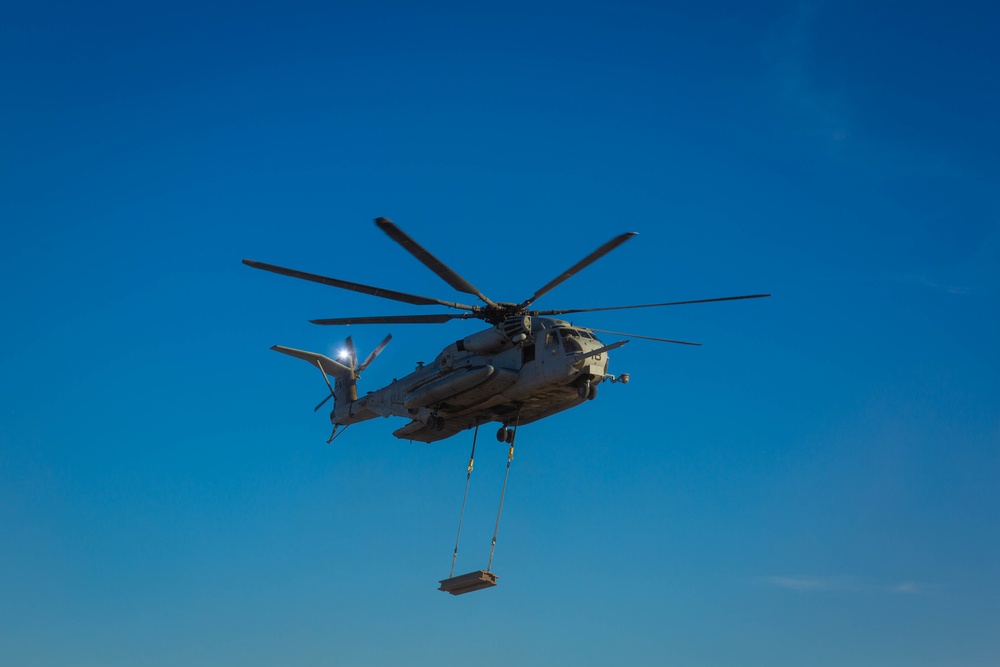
[
  {"x": 356, "y": 287},
  {"x": 429, "y": 260},
  {"x": 396, "y": 319},
  {"x": 662, "y": 340},
  {"x": 582, "y": 264},
  {"x": 649, "y": 305},
  {"x": 374, "y": 353}
]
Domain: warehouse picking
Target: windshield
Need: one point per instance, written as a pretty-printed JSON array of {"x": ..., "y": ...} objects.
[{"x": 569, "y": 340}]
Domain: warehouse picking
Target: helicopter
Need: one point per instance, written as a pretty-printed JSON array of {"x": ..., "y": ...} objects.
[{"x": 527, "y": 366}]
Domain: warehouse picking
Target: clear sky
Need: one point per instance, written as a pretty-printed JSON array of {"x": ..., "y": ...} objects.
[{"x": 817, "y": 485}]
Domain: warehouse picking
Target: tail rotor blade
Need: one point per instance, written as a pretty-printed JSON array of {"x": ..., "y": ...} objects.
[
  {"x": 352, "y": 353},
  {"x": 329, "y": 386},
  {"x": 323, "y": 402},
  {"x": 374, "y": 353}
]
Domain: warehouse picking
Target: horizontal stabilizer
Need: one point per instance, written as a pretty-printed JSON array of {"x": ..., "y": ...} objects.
[{"x": 326, "y": 364}]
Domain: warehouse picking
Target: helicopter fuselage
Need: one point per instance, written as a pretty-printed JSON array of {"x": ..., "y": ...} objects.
[
  {"x": 520, "y": 371},
  {"x": 527, "y": 366}
]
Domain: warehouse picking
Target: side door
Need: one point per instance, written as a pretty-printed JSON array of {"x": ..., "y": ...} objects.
[{"x": 549, "y": 355}]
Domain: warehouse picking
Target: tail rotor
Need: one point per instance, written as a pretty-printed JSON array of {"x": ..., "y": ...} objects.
[{"x": 351, "y": 355}]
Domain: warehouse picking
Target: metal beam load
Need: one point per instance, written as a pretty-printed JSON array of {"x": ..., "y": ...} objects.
[{"x": 466, "y": 583}]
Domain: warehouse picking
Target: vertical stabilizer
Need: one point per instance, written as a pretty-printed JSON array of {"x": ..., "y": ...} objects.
[{"x": 345, "y": 389}]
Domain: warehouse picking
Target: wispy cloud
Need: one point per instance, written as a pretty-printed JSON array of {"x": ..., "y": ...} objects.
[
  {"x": 912, "y": 588},
  {"x": 907, "y": 279},
  {"x": 806, "y": 582},
  {"x": 925, "y": 282},
  {"x": 841, "y": 584}
]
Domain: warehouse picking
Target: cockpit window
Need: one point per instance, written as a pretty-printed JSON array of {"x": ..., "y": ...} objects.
[{"x": 569, "y": 341}]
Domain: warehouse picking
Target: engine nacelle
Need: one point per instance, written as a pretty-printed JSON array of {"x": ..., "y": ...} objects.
[{"x": 498, "y": 338}]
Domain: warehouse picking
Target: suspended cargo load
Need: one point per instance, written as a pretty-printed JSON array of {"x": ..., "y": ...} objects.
[{"x": 466, "y": 583}]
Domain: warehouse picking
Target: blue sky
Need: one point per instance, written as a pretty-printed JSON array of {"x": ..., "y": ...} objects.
[{"x": 816, "y": 485}]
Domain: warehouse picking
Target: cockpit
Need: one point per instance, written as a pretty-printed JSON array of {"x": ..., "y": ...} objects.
[{"x": 569, "y": 338}]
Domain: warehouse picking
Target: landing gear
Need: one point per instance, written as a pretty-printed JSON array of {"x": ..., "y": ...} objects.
[
  {"x": 336, "y": 428},
  {"x": 587, "y": 390},
  {"x": 435, "y": 423}
]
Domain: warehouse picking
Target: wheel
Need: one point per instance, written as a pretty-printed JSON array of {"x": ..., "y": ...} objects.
[
  {"x": 583, "y": 391},
  {"x": 593, "y": 392},
  {"x": 510, "y": 437},
  {"x": 502, "y": 434}
]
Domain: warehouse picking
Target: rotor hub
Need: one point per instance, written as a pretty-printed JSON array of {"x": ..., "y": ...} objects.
[{"x": 498, "y": 313}]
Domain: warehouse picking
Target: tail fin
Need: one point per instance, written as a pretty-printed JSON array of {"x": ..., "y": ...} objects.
[
  {"x": 344, "y": 388},
  {"x": 345, "y": 378}
]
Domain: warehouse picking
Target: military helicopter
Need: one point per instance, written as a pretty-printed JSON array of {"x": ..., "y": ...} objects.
[{"x": 525, "y": 367}]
